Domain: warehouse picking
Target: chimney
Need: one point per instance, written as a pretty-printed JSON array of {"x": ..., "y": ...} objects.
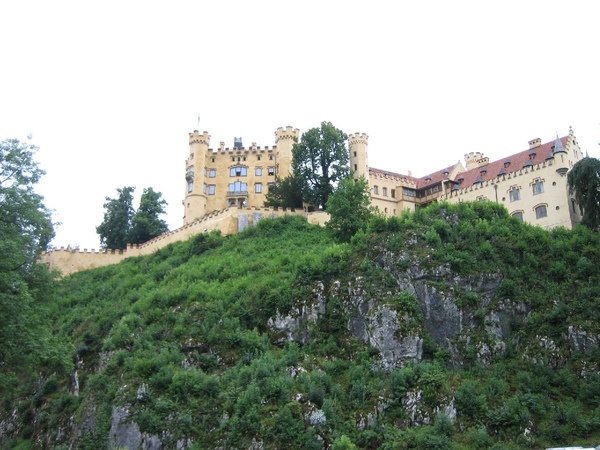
[{"x": 535, "y": 143}]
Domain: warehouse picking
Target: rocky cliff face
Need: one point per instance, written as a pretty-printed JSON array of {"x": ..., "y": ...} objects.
[{"x": 456, "y": 313}]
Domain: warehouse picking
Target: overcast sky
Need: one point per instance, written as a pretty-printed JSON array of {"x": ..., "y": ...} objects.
[{"x": 109, "y": 90}]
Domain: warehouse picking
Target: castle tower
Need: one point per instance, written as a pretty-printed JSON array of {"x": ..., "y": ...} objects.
[
  {"x": 358, "y": 143},
  {"x": 285, "y": 138},
  {"x": 476, "y": 159},
  {"x": 194, "y": 203}
]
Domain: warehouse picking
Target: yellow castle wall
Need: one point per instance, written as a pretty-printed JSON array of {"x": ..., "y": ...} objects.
[
  {"x": 227, "y": 221},
  {"x": 561, "y": 208}
]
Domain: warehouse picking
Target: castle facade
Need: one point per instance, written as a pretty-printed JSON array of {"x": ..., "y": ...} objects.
[{"x": 531, "y": 184}]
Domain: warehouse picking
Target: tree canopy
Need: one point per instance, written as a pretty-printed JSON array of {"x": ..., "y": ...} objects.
[
  {"x": 146, "y": 222},
  {"x": 118, "y": 212},
  {"x": 286, "y": 192},
  {"x": 320, "y": 161},
  {"x": 25, "y": 231},
  {"x": 584, "y": 183},
  {"x": 349, "y": 207},
  {"x": 123, "y": 225}
]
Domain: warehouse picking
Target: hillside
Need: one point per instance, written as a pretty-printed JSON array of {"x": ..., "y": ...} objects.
[{"x": 452, "y": 328}]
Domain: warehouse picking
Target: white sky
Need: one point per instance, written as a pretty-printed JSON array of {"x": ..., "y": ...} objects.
[{"x": 109, "y": 90}]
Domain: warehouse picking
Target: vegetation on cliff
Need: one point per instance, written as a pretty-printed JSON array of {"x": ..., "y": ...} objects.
[{"x": 259, "y": 339}]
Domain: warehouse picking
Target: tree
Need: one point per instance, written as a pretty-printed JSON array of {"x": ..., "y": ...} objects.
[
  {"x": 146, "y": 223},
  {"x": 25, "y": 224},
  {"x": 320, "y": 160},
  {"x": 584, "y": 182},
  {"x": 286, "y": 192},
  {"x": 123, "y": 225},
  {"x": 25, "y": 231},
  {"x": 349, "y": 207},
  {"x": 118, "y": 212}
]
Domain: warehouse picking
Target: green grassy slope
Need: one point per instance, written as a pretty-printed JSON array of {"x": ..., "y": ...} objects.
[{"x": 181, "y": 339}]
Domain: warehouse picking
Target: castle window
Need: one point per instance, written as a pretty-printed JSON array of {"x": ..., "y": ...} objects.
[
  {"x": 212, "y": 159},
  {"x": 238, "y": 171},
  {"x": 271, "y": 171},
  {"x": 393, "y": 194},
  {"x": 190, "y": 185},
  {"x": 212, "y": 173},
  {"x": 573, "y": 204},
  {"x": 355, "y": 154},
  {"x": 270, "y": 185},
  {"x": 355, "y": 167},
  {"x": 258, "y": 158},
  {"x": 258, "y": 188},
  {"x": 270, "y": 157},
  {"x": 384, "y": 191},
  {"x": 518, "y": 215},
  {"x": 409, "y": 192},
  {"x": 238, "y": 186},
  {"x": 258, "y": 171},
  {"x": 541, "y": 211},
  {"x": 211, "y": 189},
  {"x": 514, "y": 194},
  {"x": 376, "y": 190},
  {"x": 538, "y": 187}
]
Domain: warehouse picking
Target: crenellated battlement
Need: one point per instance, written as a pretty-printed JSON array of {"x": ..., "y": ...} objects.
[
  {"x": 475, "y": 159},
  {"x": 358, "y": 138},
  {"x": 288, "y": 132},
  {"x": 242, "y": 150},
  {"x": 197, "y": 138}
]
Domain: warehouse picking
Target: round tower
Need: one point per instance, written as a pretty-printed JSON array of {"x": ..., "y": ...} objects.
[
  {"x": 358, "y": 143},
  {"x": 285, "y": 138},
  {"x": 194, "y": 203}
]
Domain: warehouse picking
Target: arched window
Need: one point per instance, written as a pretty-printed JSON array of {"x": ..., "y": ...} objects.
[
  {"x": 541, "y": 211},
  {"x": 518, "y": 215}
]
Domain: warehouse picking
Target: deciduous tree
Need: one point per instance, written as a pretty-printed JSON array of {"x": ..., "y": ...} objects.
[
  {"x": 349, "y": 207},
  {"x": 25, "y": 230},
  {"x": 118, "y": 212},
  {"x": 146, "y": 222},
  {"x": 584, "y": 183},
  {"x": 123, "y": 225},
  {"x": 320, "y": 160},
  {"x": 286, "y": 192}
]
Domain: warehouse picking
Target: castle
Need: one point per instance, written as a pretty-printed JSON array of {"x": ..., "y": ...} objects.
[
  {"x": 531, "y": 184},
  {"x": 225, "y": 189}
]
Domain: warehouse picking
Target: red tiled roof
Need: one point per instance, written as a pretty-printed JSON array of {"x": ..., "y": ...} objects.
[
  {"x": 515, "y": 162},
  {"x": 435, "y": 177},
  {"x": 392, "y": 174}
]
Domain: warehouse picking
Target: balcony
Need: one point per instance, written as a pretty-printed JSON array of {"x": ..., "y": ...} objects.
[{"x": 237, "y": 193}]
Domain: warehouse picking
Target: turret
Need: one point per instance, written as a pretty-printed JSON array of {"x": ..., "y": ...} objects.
[
  {"x": 194, "y": 203},
  {"x": 285, "y": 138},
  {"x": 475, "y": 159},
  {"x": 561, "y": 158},
  {"x": 358, "y": 143}
]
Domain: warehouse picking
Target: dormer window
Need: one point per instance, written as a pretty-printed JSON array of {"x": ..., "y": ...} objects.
[
  {"x": 506, "y": 164},
  {"x": 482, "y": 172},
  {"x": 532, "y": 155}
]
